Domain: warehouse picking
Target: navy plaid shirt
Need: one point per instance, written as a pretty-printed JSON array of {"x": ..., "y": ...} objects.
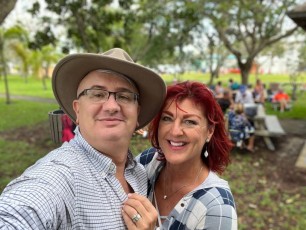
[{"x": 209, "y": 206}]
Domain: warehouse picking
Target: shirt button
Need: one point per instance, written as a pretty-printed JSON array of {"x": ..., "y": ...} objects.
[{"x": 182, "y": 204}]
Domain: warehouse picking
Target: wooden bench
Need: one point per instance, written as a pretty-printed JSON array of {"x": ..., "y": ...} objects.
[
  {"x": 268, "y": 126},
  {"x": 301, "y": 161}
]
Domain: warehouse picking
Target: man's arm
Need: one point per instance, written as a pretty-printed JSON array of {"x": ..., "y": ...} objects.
[{"x": 30, "y": 202}]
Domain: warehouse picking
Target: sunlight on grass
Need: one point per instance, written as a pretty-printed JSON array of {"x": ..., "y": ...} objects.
[
  {"x": 21, "y": 113},
  {"x": 33, "y": 87}
]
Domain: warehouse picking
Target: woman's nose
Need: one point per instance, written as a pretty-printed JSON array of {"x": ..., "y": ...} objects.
[{"x": 177, "y": 128}]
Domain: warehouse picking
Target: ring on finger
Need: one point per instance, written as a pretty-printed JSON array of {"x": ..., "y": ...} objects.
[{"x": 136, "y": 217}]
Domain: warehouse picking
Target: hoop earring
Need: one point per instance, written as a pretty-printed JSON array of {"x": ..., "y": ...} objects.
[{"x": 205, "y": 149}]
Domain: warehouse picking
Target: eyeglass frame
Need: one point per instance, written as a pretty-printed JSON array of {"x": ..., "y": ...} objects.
[{"x": 135, "y": 95}]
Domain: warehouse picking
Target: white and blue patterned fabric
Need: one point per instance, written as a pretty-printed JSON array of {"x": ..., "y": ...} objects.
[
  {"x": 72, "y": 187},
  {"x": 210, "y": 206}
]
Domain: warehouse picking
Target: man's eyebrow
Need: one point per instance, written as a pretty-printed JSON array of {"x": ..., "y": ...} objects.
[{"x": 119, "y": 89}]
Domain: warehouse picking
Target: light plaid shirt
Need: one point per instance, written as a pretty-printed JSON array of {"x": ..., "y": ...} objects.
[
  {"x": 73, "y": 187},
  {"x": 210, "y": 206}
]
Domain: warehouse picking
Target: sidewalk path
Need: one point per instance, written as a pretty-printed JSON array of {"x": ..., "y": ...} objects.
[{"x": 30, "y": 98}]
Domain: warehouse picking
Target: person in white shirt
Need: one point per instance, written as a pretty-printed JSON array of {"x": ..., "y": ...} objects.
[{"x": 244, "y": 95}]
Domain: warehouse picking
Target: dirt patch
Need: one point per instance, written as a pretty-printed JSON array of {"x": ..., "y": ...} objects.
[
  {"x": 280, "y": 164},
  {"x": 39, "y": 136}
]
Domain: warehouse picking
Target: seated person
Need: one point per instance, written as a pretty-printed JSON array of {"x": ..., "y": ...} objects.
[
  {"x": 283, "y": 99},
  {"x": 244, "y": 95},
  {"x": 219, "y": 90},
  {"x": 226, "y": 102},
  {"x": 259, "y": 92},
  {"x": 240, "y": 129}
]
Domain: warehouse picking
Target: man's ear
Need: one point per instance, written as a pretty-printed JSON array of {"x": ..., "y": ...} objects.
[{"x": 76, "y": 106}]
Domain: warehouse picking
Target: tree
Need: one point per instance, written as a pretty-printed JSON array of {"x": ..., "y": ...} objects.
[
  {"x": 5, "y": 8},
  {"x": 149, "y": 31},
  {"x": 6, "y": 36},
  {"x": 92, "y": 26},
  {"x": 244, "y": 32},
  {"x": 211, "y": 50},
  {"x": 41, "y": 60}
]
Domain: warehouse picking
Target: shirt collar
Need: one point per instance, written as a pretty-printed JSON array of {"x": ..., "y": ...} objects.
[{"x": 102, "y": 163}]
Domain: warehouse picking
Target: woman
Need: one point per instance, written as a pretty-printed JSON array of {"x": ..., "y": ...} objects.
[
  {"x": 259, "y": 92},
  {"x": 190, "y": 147},
  {"x": 241, "y": 129}
]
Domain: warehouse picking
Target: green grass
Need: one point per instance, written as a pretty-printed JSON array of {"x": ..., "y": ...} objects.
[
  {"x": 20, "y": 113},
  {"x": 297, "y": 112},
  {"x": 33, "y": 87},
  {"x": 260, "y": 204},
  {"x": 204, "y": 77},
  {"x": 15, "y": 157}
]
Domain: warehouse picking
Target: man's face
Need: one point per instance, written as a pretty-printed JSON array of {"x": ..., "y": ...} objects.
[{"x": 105, "y": 121}]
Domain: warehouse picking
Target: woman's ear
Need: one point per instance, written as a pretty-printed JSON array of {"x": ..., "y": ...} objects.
[{"x": 211, "y": 130}]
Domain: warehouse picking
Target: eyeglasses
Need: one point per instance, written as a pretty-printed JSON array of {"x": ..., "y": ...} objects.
[{"x": 101, "y": 95}]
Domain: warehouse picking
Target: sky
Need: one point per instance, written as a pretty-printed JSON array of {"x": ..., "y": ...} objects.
[{"x": 19, "y": 13}]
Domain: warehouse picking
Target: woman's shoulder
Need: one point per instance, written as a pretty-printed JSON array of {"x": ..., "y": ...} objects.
[
  {"x": 215, "y": 190},
  {"x": 147, "y": 156}
]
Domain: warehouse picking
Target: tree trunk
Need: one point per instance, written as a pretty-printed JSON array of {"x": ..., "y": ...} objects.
[
  {"x": 3, "y": 63},
  {"x": 6, "y": 6},
  {"x": 45, "y": 76},
  {"x": 245, "y": 69}
]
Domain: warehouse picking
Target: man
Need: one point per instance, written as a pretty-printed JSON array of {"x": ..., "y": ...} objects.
[
  {"x": 85, "y": 184},
  {"x": 244, "y": 95}
]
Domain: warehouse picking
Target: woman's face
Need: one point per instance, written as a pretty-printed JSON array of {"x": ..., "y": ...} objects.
[{"x": 182, "y": 132}]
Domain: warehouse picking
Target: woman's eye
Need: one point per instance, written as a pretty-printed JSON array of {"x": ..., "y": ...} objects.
[
  {"x": 166, "y": 118},
  {"x": 190, "y": 122}
]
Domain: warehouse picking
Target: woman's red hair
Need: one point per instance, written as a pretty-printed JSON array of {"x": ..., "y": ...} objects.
[{"x": 219, "y": 146}]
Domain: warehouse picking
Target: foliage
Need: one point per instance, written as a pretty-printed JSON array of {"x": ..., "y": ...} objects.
[
  {"x": 245, "y": 32},
  {"x": 90, "y": 25}
]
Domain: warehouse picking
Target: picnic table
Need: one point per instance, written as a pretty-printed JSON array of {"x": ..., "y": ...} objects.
[{"x": 267, "y": 126}]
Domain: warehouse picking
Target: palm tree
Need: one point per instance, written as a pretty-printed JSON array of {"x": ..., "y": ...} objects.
[
  {"x": 10, "y": 38},
  {"x": 43, "y": 59},
  {"x": 3, "y": 66}
]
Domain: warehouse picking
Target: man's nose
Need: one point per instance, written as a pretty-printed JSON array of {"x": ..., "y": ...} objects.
[{"x": 111, "y": 104}]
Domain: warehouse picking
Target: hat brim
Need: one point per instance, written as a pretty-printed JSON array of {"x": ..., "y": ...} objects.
[{"x": 69, "y": 72}]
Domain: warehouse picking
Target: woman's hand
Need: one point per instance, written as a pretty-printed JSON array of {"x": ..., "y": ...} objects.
[{"x": 138, "y": 212}]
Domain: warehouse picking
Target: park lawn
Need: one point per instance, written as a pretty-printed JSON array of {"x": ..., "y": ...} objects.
[
  {"x": 16, "y": 155},
  {"x": 20, "y": 113},
  {"x": 34, "y": 86}
]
